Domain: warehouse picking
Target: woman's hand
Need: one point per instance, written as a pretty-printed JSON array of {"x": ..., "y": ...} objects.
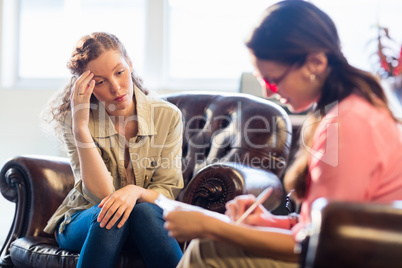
[
  {"x": 236, "y": 207},
  {"x": 118, "y": 205},
  {"x": 79, "y": 98},
  {"x": 185, "y": 225}
]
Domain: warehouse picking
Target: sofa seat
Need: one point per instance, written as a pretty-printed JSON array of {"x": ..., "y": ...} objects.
[{"x": 43, "y": 252}]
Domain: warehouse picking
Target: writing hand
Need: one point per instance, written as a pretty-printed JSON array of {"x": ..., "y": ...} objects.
[{"x": 236, "y": 208}]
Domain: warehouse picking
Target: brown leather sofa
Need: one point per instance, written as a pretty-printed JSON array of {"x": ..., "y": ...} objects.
[
  {"x": 350, "y": 234},
  {"x": 232, "y": 144}
]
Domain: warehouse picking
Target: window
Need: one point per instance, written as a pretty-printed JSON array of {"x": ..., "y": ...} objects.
[
  {"x": 48, "y": 30},
  {"x": 206, "y": 40},
  {"x": 356, "y": 22},
  {"x": 206, "y": 37},
  {"x": 174, "y": 44}
]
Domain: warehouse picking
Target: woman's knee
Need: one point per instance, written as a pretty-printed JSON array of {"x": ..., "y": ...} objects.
[
  {"x": 94, "y": 213},
  {"x": 147, "y": 210},
  {"x": 146, "y": 213}
]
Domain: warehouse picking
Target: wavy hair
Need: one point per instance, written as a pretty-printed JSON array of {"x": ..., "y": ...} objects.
[{"x": 88, "y": 48}]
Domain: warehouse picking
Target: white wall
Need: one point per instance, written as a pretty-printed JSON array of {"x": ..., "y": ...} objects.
[
  {"x": 20, "y": 123},
  {"x": 21, "y": 134}
]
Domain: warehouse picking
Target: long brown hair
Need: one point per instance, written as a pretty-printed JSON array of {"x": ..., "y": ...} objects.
[
  {"x": 289, "y": 31},
  {"x": 88, "y": 48}
]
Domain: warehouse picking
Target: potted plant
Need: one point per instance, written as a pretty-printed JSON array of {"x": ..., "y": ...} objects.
[{"x": 388, "y": 66}]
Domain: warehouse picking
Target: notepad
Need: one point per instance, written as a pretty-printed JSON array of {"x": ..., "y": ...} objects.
[{"x": 169, "y": 205}]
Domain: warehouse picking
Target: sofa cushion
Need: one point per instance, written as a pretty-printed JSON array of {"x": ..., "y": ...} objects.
[{"x": 42, "y": 252}]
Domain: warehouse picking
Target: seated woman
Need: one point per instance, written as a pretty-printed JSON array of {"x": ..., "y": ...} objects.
[
  {"x": 125, "y": 149},
  {"x": 351, "y": 149}
]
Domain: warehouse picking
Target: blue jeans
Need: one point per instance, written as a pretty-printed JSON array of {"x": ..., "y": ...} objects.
[{"x": 100, "y": 247}]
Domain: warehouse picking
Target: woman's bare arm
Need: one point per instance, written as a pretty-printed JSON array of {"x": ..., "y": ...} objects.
[
  {"x": 94, "y": 173},
  {"x": 269, "y": 242}
]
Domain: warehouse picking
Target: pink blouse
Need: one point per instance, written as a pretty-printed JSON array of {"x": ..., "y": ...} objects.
[{"x": 356, "y": 156}]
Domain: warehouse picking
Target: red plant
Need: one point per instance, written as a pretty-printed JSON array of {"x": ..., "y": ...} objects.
[{"x": 390, "y": 63}]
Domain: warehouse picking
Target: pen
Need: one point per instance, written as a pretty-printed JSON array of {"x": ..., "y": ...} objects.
[{"x": 259, "y": 200}]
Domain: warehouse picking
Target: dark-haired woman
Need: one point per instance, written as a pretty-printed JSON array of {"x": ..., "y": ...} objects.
[
  {"x": 125, "y": 149},
  {"x": 351, "y": 147}
]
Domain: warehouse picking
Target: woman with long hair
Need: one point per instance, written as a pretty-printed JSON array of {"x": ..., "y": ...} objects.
[
  {"x": 350, "y": 149},
  {"x": 125, "y": 149}
]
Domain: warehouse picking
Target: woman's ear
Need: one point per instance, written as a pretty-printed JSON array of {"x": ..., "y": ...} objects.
[{"x": 317, "y": 63}]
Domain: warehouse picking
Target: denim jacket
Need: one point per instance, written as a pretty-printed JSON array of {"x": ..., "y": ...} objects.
[{"x": 155, "y": 153}]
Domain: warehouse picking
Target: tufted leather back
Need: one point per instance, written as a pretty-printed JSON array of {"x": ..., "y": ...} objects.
[
  {"x": 231, "y": 127},
  {"x": 217, "y": 128}
]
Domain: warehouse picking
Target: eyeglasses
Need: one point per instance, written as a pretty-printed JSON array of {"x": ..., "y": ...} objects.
[{"x": 273, "y": 86}]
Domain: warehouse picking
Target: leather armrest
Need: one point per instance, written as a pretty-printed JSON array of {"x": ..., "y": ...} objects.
[
  {"x": 216, "y": 184},
  {"x": 37, "y": 185},
  {"x": 348, "y": 234}
]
